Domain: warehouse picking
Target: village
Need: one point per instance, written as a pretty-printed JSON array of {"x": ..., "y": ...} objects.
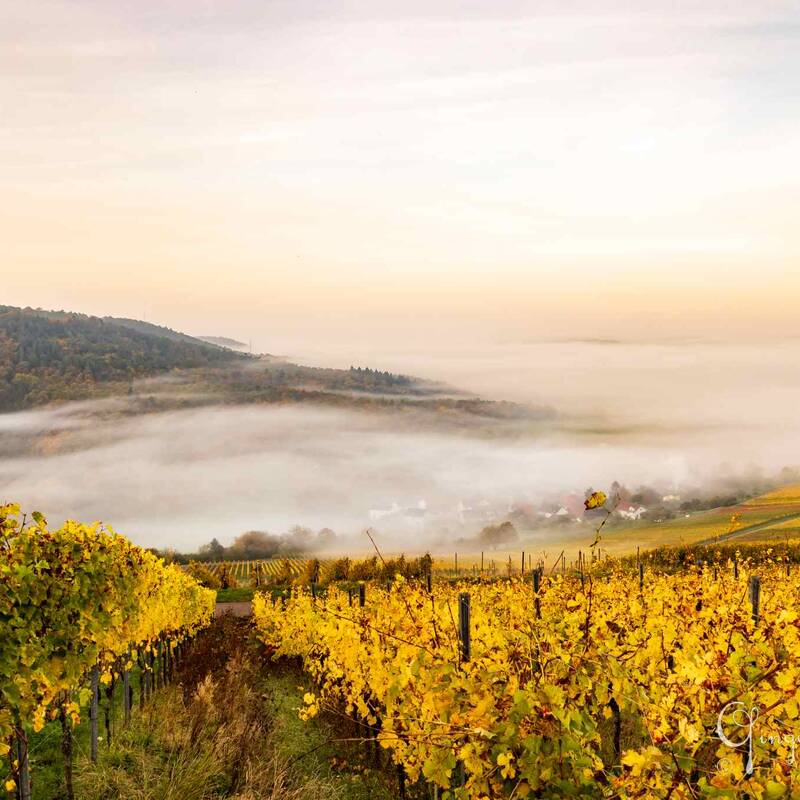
[{"x": 623, "y": 506}]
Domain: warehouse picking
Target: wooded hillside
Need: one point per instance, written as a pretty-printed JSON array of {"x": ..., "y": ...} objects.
[{"x": 46, "y": 356}]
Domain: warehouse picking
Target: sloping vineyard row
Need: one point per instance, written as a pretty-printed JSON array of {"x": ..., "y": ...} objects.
[
  {"x": 242, "y": 570},
  {"x": 74, "y": 599}
]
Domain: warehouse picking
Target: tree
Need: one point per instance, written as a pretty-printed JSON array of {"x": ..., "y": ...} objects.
[
  {"x": 215, "y": 549},
  {"x": 646, "y": 496},
  {"x": 620, "y": 491},
  {"x": 494, "y": 535},
  {"x": 298, "y": 539},
  {"x": 254, "y": 544}
]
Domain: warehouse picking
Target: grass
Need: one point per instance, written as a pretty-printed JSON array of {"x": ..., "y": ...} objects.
[
  {"x": 622, "y": 538},
  {"x": 703, "y": 525},
  {"x": 241, "y": 594},
  {"x": 790, "y": 530},
  {"x": 46, "y": 758},
  {"x": 319, "y": 747},
  {"x": 227, "y": 728}
]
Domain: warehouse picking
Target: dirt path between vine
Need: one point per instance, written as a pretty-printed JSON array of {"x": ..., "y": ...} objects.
[{"x": 237, "y": 609}]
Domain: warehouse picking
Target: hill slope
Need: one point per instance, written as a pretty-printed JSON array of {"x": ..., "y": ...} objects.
[
  {"x": 47, "y": 356},
  {"x": 772, "y": 516},
  {"x": 158, "y": 330},
  {"x": 224, "y": 341}
]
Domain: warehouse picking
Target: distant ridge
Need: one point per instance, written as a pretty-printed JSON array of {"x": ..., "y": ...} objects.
[{"x": 224, "y": 341}]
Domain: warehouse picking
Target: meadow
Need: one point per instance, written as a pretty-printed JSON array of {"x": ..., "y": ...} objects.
[{"x": 769, "y": 517}]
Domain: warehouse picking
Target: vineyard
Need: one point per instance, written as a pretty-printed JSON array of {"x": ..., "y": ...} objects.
[
  {"x": 79, "y": 608},
  {"x": 672, "y": 675},
  {"x": 280, "y": 571},
  {"x": 604, "y": 683},
  {"x": 243, "y": 571}
]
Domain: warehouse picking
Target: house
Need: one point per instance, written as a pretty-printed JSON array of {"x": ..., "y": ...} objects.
[
  {"x": 571, "y": 506},
  {"x": 630, "y": 511},
  {"x": 479, "y": 511}
]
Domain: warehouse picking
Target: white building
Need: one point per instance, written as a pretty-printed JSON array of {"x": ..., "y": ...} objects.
[{"x": 630, "y": 511}]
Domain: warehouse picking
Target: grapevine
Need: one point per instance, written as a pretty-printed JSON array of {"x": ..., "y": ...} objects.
[
  {"x": 73, "y": 599},
  {"x": 611, "y": 690}
]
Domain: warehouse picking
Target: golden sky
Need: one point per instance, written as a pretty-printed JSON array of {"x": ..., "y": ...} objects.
[{"x": 444, "y": 171}]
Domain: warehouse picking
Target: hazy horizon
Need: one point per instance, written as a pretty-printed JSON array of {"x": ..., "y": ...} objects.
[{"x": 405, "y": 172}]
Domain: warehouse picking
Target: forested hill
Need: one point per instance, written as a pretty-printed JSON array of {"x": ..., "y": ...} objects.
[{"x": 47, "y": 355}]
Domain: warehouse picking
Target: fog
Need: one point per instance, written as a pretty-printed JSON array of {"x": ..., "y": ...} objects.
[
  {"x": 667, "y": 414},
  {"x": 670, "y": 383}
]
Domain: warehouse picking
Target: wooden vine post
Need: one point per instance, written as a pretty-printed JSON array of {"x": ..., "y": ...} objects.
[
  {"x": 755, "y": 597},
  {"x": 362, "y": 595},
  {"x": 93, "y": 710},
  {"x": 465, "y": 640},
  {"x": 152, "y": 684},
  {"x": 23, "y": 764},
  {"x": 66, "y": 745},
  {"x": 142, "y": 679},
  {"x": 126, "y": 692},
  {"x": 109, "y": 708},
  {"x": 537, "y": 579},
  {"x": 464, "y": 626}
]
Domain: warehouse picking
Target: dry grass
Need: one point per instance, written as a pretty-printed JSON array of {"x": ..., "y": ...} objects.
[{"x": 218, "y": 744}]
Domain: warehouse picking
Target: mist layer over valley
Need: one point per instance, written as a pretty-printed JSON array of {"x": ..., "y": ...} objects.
[{"x": 669, "y": 415}]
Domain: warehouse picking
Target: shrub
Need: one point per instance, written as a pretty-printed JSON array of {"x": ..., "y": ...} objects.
[
  {"x": 203, "y": 575},
  {"x": 227, "y": 580}
]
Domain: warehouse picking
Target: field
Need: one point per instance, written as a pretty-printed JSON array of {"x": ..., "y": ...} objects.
[
  {"x": 778, "y": 512},
  {"x": 773, "y": 517},
  {"x": 242, "y": 570}
]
